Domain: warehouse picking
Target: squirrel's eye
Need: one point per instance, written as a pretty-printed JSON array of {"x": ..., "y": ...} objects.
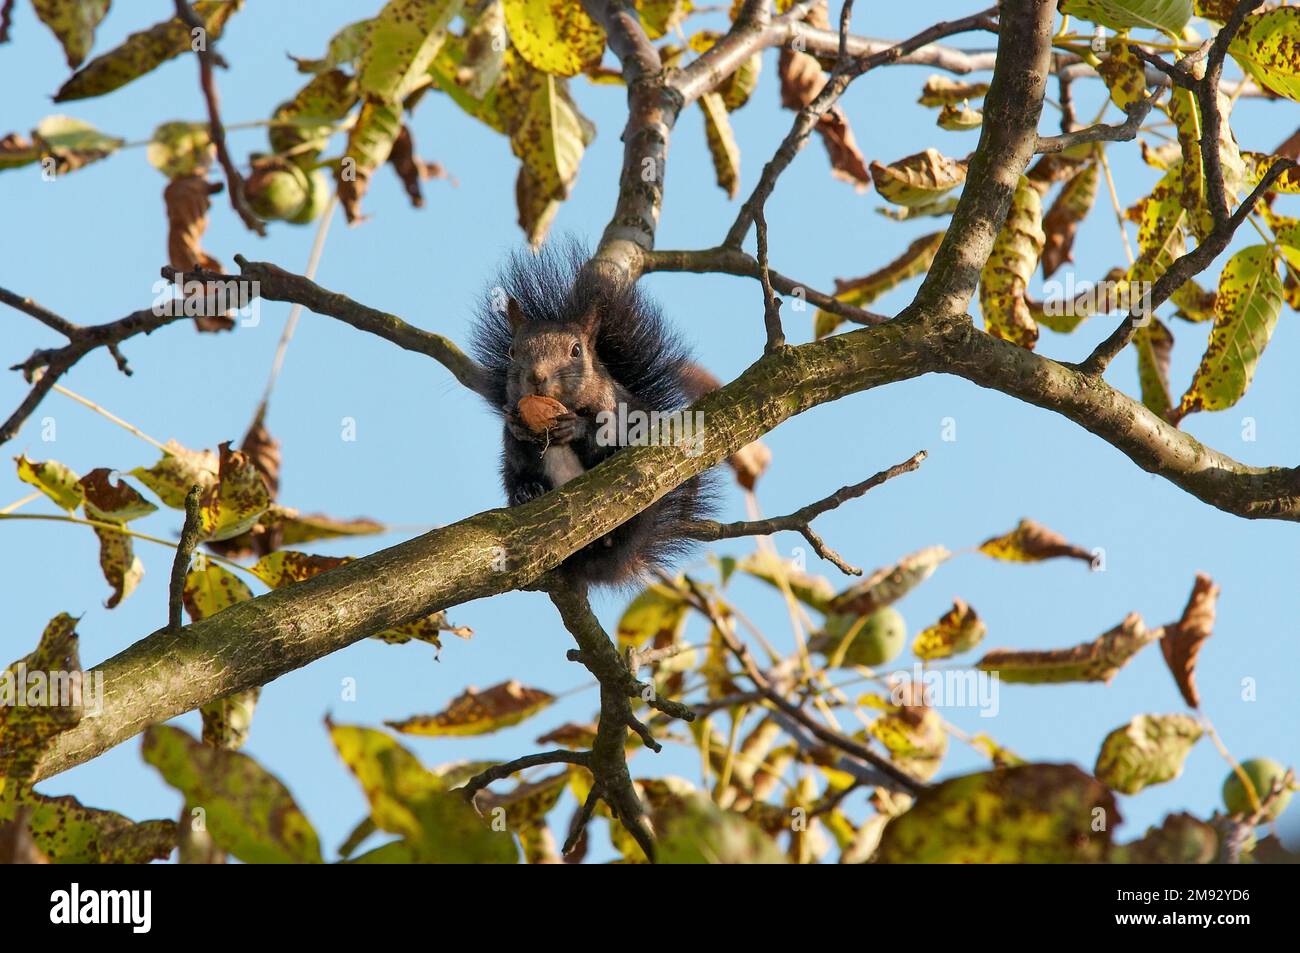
[{"x": 577, "y": 350}]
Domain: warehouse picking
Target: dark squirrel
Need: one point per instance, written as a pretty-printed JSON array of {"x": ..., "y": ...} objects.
[{"x": 547, "y": 330}]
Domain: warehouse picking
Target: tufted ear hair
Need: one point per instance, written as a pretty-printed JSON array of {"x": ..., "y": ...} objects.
[
  {"x": 589, "y": 322},
  {"x": 515, "y": 315}
]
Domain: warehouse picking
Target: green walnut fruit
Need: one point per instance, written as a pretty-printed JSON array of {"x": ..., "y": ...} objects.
[
  {"x": 319, "y": 189},
  {"x": 279, "y": 191},
  {"x": 880, "y": 637},
  {"x": 1263, "y": 774}
]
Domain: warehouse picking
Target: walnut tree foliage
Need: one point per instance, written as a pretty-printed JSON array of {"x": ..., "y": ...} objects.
[{"x": 781, "y": 779}]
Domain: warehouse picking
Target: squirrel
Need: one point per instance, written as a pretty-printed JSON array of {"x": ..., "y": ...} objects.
[{"x": 547, "y": 330}]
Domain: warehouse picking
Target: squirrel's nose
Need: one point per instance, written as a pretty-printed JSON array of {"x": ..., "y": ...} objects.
[{"x": 537, "y": 377}]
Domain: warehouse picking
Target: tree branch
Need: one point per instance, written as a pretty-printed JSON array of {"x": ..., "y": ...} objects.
[
  {"x": 801, "y": 520},
  {"x": 208, "y": 59},
  {"x": 1008, "y": 137},
  {"x": 181, "y": 563},
  {"x": 1123, "y": 132}
]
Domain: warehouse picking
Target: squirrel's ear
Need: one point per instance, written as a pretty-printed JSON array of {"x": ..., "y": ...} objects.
[
  {"x": 589, "y": 322},
  {"x": 514, "y": 314}
]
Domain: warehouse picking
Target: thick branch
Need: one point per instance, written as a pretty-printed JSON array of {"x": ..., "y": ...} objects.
[{"x": 1008, "y": 137}]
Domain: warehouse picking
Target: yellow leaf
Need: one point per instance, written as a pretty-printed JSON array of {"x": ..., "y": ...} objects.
[
  {"x": 478, "y": 713},
  {"x": 555, "y": 36},
  {"x": 1011, "y": 263},
  {"x": 53, "y": 479},
  {"x": 1096, "y": 661},
  {"x": 918, "y": 180},
  {"x": 958, "y": 630}
]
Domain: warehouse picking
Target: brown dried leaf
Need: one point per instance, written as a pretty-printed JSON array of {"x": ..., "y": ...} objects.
[
  {"x": 410, "y": 168},
  {"x": 187, "y": 201},
  {"x": 802, "y": 79},
  {"x": 478, "y": 713},
  {"x": 1183, "y": 639}
]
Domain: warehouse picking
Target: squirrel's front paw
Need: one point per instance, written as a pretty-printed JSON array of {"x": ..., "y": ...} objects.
[
  {"x": 525, "y": 493},
  {"x": 564, "y": 429},
  {"x": 517, "y": 429}
]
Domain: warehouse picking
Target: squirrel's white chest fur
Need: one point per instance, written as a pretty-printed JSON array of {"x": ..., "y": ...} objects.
[{"x": 561, "y": 465}]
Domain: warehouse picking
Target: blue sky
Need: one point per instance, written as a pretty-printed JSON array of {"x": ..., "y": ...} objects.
[{"x": 89, "y": 247}]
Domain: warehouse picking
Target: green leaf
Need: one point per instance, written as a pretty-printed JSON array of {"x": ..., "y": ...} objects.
[
  {"x": 53, "y": 479},
  {"x": 476, "y": 712},
  {"x": 722, "y": 143},
  {"x": 1181, "y": 839},
  {"x": 179, "y": 469},
  {"x": 248, "y": 811},
  {"x": 1096, "y": 661},
  {"x": 1185, "y": 111},
  {"x": 918, "y": 180},
  {"x": 303, "y": 125},
  {"x": 32, "y": 695},
  {"x": 1030, "y": 814},
  {"x": 73, "y": 22},
  {"x": 1150, "y": 749},
  {"x": 369, "y": 143},
  {"x": 180, "y": 148},
  {"x": 860, "y": 292},
  {"x": 550, "y": 135},
  {"x": 67, "y": 832},
  {"x": 209, "y": 589},
  {"x": 656, "y": 616},
  {"x": 813, "y": 591},
  {"x": 344, "y": 49},
  {"x": 554, "y": 36},
  {"x": 693, "y": 830},
  {"x": 1011, "y": 264},
  {"x": 1246, "y": 310},
  {"x": 142, "y": 52},
  {"x": 1167, "y": 16},
  {"x": 888, "y": 584},
  {"x": 1265, "y": 46},
  {"x": 437, "y": 824},
  {"x": 72, "y": 144},
  {"x": 401, "y": 44}
]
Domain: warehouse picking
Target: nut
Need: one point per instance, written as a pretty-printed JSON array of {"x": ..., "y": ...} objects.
[{"x": 538, "y": 413}]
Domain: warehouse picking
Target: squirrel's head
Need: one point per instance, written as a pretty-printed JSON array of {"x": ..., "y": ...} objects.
[{"x": 552, "y": 358}]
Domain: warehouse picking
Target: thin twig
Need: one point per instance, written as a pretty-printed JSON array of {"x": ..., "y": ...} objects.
[
  {"x": 1125, "y": 131},
  {"x": 507, "y": 768},
  {"x": 771, "y": 304},
  {"x": 208, "y": 59},
  {"x": 181, "y": 564},
  {"x": 800, "y": 520}
]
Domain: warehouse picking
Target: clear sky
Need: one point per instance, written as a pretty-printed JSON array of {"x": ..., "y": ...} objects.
[{"x": 89, "y": 246}]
